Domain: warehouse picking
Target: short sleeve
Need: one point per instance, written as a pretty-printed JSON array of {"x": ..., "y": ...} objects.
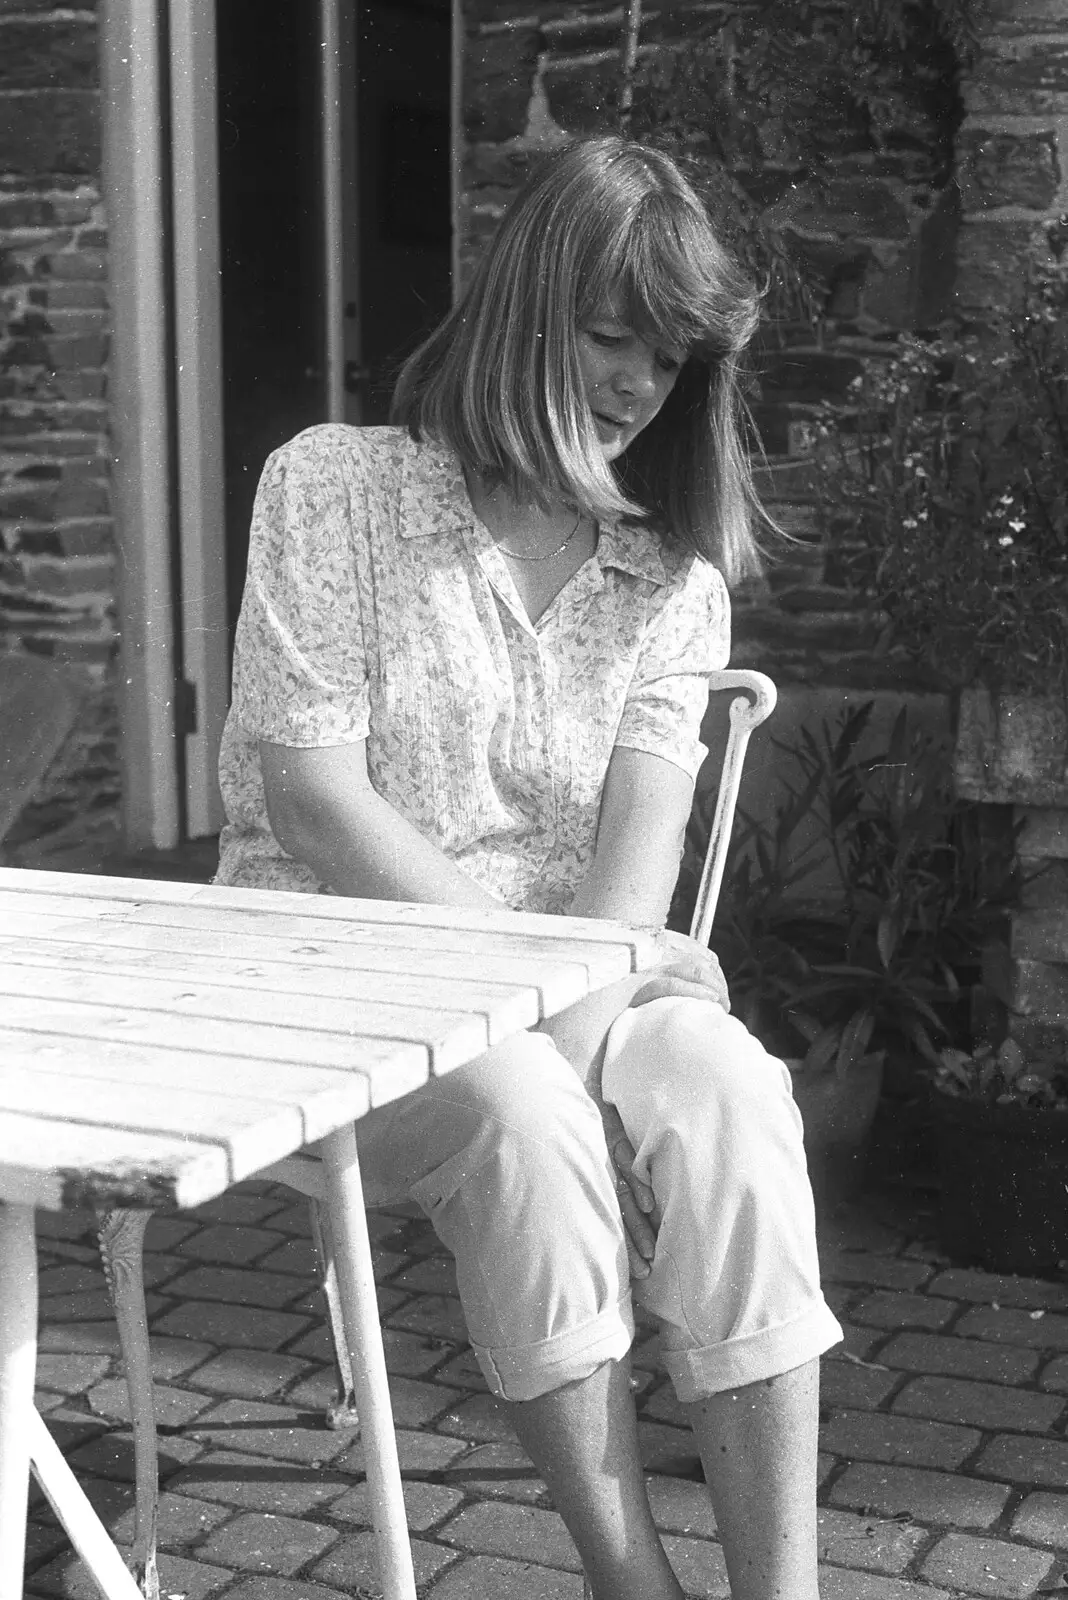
[
  {"x": 300, "y": 675},
  {"x": 688, "y": 637}
]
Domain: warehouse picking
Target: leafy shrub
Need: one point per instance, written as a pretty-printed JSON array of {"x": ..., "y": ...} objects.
[
  {"x": 945, "y": 491},
  {"x": 875, "y": 960}
]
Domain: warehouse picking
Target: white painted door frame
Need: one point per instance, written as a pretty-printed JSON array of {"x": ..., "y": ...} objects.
[
  {"x": 165, "y": 385},
  {"x": 168, "y": 468},
  {"x": 198, "y": 400}
]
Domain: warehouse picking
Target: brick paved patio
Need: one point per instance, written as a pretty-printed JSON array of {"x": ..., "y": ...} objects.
[{"x": 945, "y": 1458}]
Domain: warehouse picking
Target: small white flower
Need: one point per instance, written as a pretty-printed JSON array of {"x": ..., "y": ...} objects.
[
  {"x": 1017, "y": 524},
  {"x": 1005, "y": 540}
]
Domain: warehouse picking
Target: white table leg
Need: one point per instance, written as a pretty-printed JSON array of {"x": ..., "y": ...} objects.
[
  {"x": 18, "y": 1362},
  {"x": 348, "y": 1220}
]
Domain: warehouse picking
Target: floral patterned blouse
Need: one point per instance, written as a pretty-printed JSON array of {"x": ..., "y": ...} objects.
[{"x": 378, "y": 607}]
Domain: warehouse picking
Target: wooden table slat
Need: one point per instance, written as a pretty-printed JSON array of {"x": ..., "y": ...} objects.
[
  {"x": 286, "y": 1007},
  {"x": 447, "y": 1038},
  {"x": 506, "y": 1008},
  {"x": 316, "y": 1092},
  {"x": 602, "y": 962},
  {"x": 393, "y": 921},
  {"x": 563, "y": 980},
  {"x": 57, "y": 1166},
  {"x": 602, "y": 959},
  {"x": 252, "y": 1133},
  {"x": 335, "y": 907}
]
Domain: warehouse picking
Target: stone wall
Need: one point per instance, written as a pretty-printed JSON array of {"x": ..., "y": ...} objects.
[
  {"x": 56, "y": 548},
  {"x": 876, "y": 241}
]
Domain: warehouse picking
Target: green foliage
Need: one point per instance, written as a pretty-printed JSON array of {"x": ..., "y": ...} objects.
[
  {"x": 1005, "y": 1076},
  {"x": 873, "y": 962},
  {"x": 944, "y": 486}
]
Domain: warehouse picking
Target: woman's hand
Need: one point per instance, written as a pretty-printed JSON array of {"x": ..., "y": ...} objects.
[
  {"x": 692, "y": 972},
  {"x": 635, "y": 1198}
]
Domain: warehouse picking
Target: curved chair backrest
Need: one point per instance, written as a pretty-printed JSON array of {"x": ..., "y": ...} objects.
[{"x": 748, "y": 710}]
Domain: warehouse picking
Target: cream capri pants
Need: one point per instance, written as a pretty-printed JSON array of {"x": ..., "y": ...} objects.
[{"x": 507, "y": 1158}]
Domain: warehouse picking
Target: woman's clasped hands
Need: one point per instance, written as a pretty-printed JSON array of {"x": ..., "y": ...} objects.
[{"x": 691, "y": 972}]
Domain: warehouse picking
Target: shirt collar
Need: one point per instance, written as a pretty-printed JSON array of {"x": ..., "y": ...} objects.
[
  {"x": 627, "y": 546},
  {"x": 630, "y": 547},
  {"x": 433, "y": 496}
]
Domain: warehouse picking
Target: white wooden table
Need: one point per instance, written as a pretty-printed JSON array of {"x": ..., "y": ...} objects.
[{"x": 161, "y": 1041}]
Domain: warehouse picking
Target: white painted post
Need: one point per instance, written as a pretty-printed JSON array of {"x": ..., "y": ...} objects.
[
  {"x": 138, "y": 386},
  {"x": 198, "y": 393},
  {"x": 18, "y": 1362}
]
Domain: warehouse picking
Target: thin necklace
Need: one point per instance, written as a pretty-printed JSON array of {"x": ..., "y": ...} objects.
[{"x": 514, "y": 555}]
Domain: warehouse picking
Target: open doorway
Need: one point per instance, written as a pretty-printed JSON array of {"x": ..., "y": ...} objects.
[{"x": 397, "y": 170}]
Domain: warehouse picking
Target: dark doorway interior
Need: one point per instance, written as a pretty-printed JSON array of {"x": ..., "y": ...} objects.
[
  {"x": 403, "y": 121},
  {"x": 272, "y": 266}
]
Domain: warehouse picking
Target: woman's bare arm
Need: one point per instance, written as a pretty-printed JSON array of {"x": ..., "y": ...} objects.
[{"x": 324, "y": 812}]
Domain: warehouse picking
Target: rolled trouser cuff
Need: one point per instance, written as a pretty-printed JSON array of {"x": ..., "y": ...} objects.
[
  {"x": 766, "y": 1353},
  {"x": 526, "y": 1372}
]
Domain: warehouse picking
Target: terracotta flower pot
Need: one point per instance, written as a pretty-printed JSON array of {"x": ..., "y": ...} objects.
[{"x": 1004, "y": 1185}]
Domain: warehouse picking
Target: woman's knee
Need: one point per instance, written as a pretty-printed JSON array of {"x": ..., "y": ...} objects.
[{"x": 693, "y": 1059}]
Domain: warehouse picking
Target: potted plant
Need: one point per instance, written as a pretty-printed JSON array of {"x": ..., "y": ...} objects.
[
  {"x": 845, "y": 921},
  {"x": 1002, "y": 1129}
]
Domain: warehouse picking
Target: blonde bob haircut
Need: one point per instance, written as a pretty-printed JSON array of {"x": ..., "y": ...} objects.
[{"x": 602, "y": 224}]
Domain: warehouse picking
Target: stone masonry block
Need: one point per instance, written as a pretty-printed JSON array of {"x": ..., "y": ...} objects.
[
  {"x": 281, "y": 1432},
  {"x": 246, "y": 1327},
  {"x": 50, "y": 130},
  {"x": 1002, "y": 1289},
  {"x": 904, "y": 1441},
  {"x": 250, "y": 1374},
  {"x": 172, "y": 1407},
  {"x": 857, "y": 207},
  {"x": 1007, "y": 169},
  {"x": 491, "y": 1578},
  {"x": 1011, "y": 749},
  {"x": 235, "y": 1478},
  {"x": 1044, "y": 886},
  {"x": 581, "y": 94},
  {"x": 982, "y": 1405},
  {"x": 1043, "y": 832},
  {"x": 1040, "y": 935},
  {"x": 1055, "y": 1375},
  {"x": 889, "y": 1309},
  {"x": 353, "y": 1566},
  {"x": 526, "y": 1533},
  {"x": 1043, "y": 1518},
  {"x": 48, "y": 53},
  {"x": 1006, "y": 1325},
  {"x": 843, "y": 1383},
  {"x": 264, "y": 1542},
  {"x": 681, "y": 1506},
  {"x": 877, "y": 1271},
  {"x": 1025, "y": 76},
  {"x": 838, "y": 1583},
  {"x": 1037, "y": 989},
  {"x": 959, "y": 1358},
  {"x": 938, "y": 1497},
  {"x": 992, "y": 260},
  {"x": 275, "y": 1290},
  {"x": 499, "y": 71},
  {"x": 230, "y": 1243},
  {"x": 425, "y": 1505},
  {"x": 866, "y": 1541},
  {"x": 986, "y": 1566},
  {"x": 1024, "y": 1459}
]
